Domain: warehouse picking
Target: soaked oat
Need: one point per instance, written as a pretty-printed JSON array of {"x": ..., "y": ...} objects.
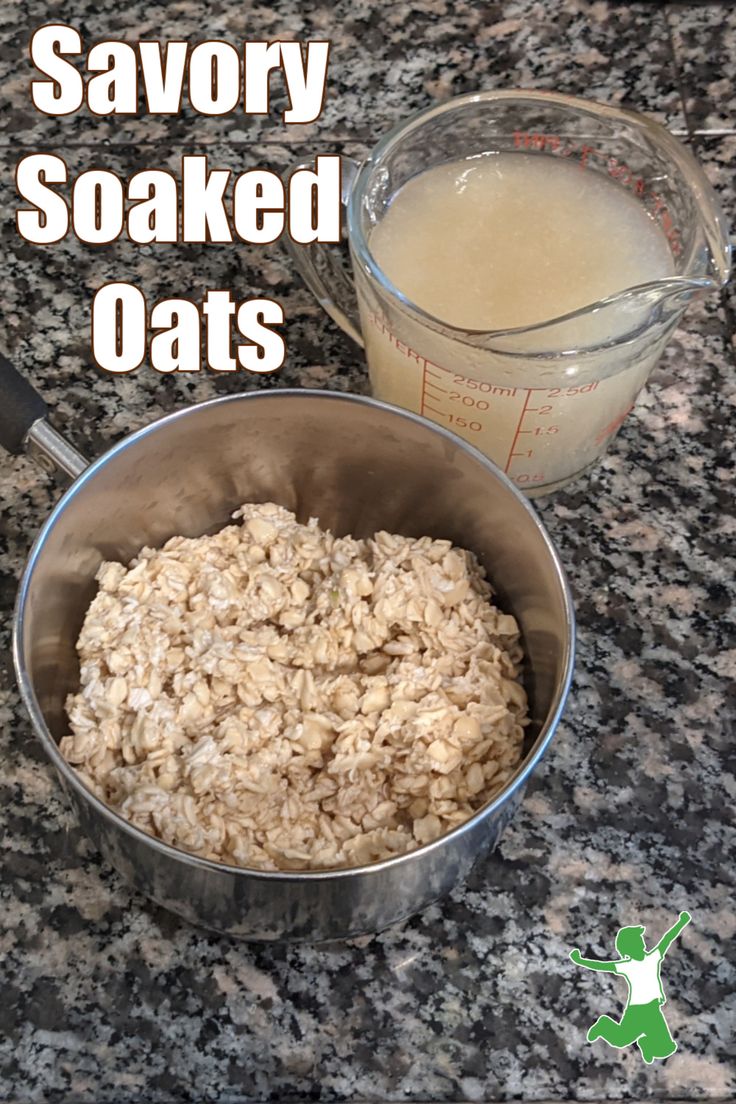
[{"x": 279, "y": 698}]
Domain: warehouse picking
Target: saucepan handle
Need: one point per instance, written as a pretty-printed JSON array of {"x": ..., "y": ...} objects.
[
  {"x": 323, "y": 267},
  {"x": 23, "y": 425}
]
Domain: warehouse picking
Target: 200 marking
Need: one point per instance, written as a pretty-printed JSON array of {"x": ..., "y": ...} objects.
[{"x": 468, "y": 400}]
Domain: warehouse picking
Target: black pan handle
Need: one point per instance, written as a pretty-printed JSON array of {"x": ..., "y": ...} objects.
[
  {"x": 20, "y": 406},
  {"x": 23, "y": 424}
]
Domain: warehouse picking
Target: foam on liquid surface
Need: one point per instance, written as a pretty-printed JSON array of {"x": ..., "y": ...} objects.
[{"x": 511, "y": 239}]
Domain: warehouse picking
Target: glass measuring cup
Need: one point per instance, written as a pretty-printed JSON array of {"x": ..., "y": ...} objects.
[{"x": 538, "y": 400}]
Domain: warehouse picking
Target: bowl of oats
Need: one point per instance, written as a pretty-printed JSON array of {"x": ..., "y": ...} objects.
[{"x": 294, "y": 656}]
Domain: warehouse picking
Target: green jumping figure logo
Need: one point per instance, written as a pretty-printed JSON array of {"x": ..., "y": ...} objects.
[{"x": 643, "y": 1022}]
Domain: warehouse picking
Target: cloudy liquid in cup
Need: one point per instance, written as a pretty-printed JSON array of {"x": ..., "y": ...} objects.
[{"x": 502, "y": 241}]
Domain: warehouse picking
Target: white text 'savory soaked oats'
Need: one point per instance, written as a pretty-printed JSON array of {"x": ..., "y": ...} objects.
[{"x": 276, "y": 697}]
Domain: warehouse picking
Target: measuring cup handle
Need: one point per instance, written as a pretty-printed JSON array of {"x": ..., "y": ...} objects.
[
  {"x": 23, "y": 424},
  {"x": 323, "y": 267}
]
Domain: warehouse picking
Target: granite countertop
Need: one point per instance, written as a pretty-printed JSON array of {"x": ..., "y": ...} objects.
[{"x": 108, "y": 999}]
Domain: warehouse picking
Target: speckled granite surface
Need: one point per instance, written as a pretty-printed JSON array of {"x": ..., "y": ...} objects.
[{"x": 108, "y": 999}]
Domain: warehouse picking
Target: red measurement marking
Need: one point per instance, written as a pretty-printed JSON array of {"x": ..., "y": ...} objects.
[
  {"x": 429, "y": 372},
  {"x": 613, "y": 426},
  {"x": 518, "y": 428},
  {"x": 436, "y": 387},
  {"x": 434, "y": 410},
  {"x": 620, "y": 171}
]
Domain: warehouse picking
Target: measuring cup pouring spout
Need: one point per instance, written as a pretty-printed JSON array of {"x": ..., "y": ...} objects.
[
  {"x": 545, "y": 400},
  {"x": 641, "y": 312}
]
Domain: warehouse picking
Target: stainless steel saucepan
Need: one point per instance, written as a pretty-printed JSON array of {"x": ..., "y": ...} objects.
[{"x": 356, "y": 464}]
